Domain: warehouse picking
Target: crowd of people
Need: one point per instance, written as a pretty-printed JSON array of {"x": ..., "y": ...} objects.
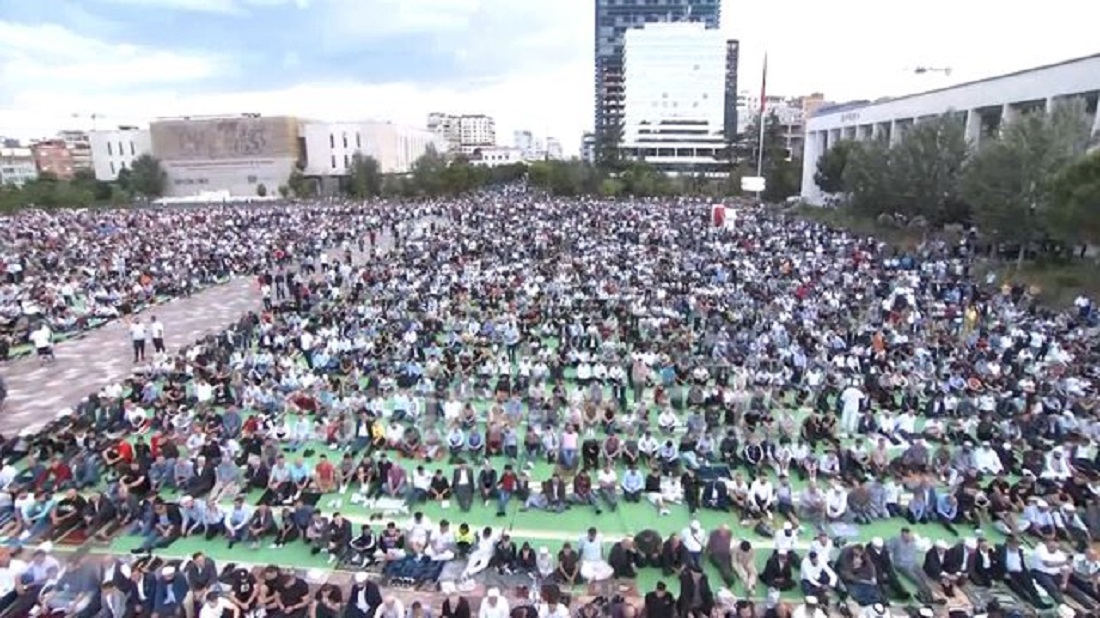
[
  {"x": 71, "y": 270},
  {"x": 805, "y": 382}
]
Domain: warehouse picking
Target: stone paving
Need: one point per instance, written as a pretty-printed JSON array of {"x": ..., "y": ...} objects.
[{"x": 38, "y": 393}]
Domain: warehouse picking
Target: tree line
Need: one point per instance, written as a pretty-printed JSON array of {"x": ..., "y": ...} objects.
[
  {"x": 1029, "y": 184},
  {"x": 144, "y": 179}
]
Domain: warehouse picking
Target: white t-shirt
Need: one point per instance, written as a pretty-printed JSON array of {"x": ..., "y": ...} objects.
[
  {"x": 9, "y": 575},
  {"x": 137, "y": 331},
  {"x": 217, "y": 610},
  {"x": 157, "y": 330},
  {"x": 41, "y": 337}
]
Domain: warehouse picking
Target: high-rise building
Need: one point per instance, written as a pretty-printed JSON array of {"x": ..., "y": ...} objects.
[
  {"x": 553, "y": 149},
  {"x": 588, "y": 147},
  {"x": 675, "y": 114},
  {"x": 613, "y": 19},
  {"x": 733, "y": 56},
  {"x": 464, "y": 134}
]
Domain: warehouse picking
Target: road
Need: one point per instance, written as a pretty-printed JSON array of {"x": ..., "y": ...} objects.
[{"x": 37, "y": 394}]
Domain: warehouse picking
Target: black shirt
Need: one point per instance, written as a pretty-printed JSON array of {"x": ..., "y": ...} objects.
[{"x": 294, "y": 592}]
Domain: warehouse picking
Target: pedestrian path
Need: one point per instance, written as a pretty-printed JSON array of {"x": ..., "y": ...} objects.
[{"x": 38, "y": 393}]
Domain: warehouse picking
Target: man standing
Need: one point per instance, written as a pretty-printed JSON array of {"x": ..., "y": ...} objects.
[
  {"x": 137, "y": 336},
  {"x": 156, "y": 330}
]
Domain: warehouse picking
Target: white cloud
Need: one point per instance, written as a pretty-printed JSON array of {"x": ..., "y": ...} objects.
[{"x": 50, "y": 59}]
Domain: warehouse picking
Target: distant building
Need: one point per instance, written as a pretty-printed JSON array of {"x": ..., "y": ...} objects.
[
  {"x": 730, "y": 99},
  {"x": 465, "y": 133},
  {"x": 53, "y": 157},
  {"x": 554, "y": 150},
  {"x": 80, "y": 148},
  {"x": 17, "y": 166},
  {"x": 588, "y": 147},
  {"x": 497, "y": 156},
  {"x": 226, "y": 153},
  {"x": 524, "y": 141},
  {"x": 616, "y": 18},
  {"x": 115, "y": 149},
  {"x": 330, "y": 146},
  {"x": 675, "y": 112}
]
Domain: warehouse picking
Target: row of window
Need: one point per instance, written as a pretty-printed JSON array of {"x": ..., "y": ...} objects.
[
  {"x": 121, "y": 149},
  {"x": 344, "y": 137},
  {"x": 190, "y": 181}
]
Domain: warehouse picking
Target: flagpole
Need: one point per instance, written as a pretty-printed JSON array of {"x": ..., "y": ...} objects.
[{"x": 763, "y": 119}]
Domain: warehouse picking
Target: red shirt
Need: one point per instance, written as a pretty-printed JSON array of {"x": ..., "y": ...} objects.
[
  {"x": 125, "y": 451},
  {"x": 507, "y": 482}
]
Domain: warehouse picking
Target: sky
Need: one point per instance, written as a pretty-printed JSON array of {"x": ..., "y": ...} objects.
[{"x": 528, "y": 63}]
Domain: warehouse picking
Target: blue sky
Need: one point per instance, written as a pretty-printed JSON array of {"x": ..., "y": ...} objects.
[{"x": 526, "y": 62}]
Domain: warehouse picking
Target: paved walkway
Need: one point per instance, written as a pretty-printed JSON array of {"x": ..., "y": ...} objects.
[{"x": 37, "y": 394}]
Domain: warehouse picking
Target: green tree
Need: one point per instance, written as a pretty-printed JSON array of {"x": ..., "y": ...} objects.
[
  {"x": 284, "y": 191},
  {"x": 926, "y": 167},
  {"x": 1075, "y": 209},
  {"x": 297, "y": 184},
  {"x": 261, "y": 190},
  {"x": 783, "y": 180},
  {"x": 607, "y": 147},
  {"x": 364, "y": 176},
  {"x": 124, "y": 179},
  {"x": 427, "y": 172},
  {"x": 829, "y": 176},
  {"x": 146, "y": 177},
  {"x": 868, "y": 180},
  {"x": 1010, "y": 183}
]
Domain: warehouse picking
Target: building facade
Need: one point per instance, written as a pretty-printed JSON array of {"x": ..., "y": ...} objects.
[
  {"x": 729, "y": 101},
  {"x": 115, "y": 149},
  {"x": 498, "y": 156},
  {"x": 984, "y": 106},
  {"x": 80, "y": 148},
  {"x": 225, "y": 153},
  {"x": 614, "y": 18},
  {"x": 53, "y": 157},
  {"x": 675, "y": 112},
  {"x": 330, "y": 146},
  {"x": 17, "y": 166},
  {"x": 463, "y": 134},
  {"x": 588, "y": 147}
]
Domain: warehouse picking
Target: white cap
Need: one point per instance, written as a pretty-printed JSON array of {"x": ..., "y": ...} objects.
[
  {"x": 493, "y": 593},
  {"x": 544, "y": 550},
  {"x": 941, "y": 544},
  {"x": 788, "y": 525},
  {"x": 926, "y": 612},
  {"x": 695, "y": 525},
  {"x": 971, "y": 543},
  {"x": 187, "y": 500},
  {"x": 877, "y": 541},
  {"x": 1065, "y": 611},
  {"x": 1041, "y": 504},
  {"x": 811, "y": 600},
  {"x": 361, "y": 577},
  {"x": 168, "y": 571},
  {"x": 447, "y": 587}
]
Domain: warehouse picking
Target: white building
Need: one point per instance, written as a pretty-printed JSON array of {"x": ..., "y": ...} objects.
[
  {"x": 984, "y": 106},
  {"x": 553, "y": 149},
  {"x": 330, "y": 146},
  {"x": 464, "y": 134},
  {"x": 497, "y": 156},
  {"x": 17, "y": 166},
  {"x": 675, "y": 82},
  {"x": 114, "y": 149}
]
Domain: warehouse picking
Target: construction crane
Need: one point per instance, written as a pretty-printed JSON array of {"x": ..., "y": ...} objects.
[{"x": 93, "y": 117}]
